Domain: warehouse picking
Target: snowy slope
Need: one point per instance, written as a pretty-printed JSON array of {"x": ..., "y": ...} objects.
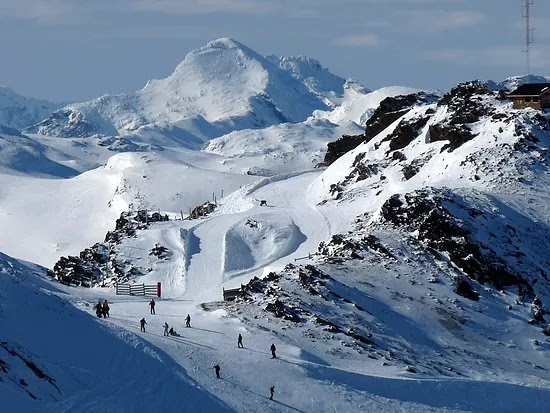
[
  {"x": 359, "y": 104},
  {"x": 84, "y": 365},
  {"x": 281, "y": 148},
  {"x": 227, "y": 84},
  {"x": 20, "y": 112},
  {"x": 22, "y": 155},
  {"x": 514, "y": 82},
  {"x": 317, "y": 78}
]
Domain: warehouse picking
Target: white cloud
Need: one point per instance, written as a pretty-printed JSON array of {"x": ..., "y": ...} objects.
[
  {"x": 359, "y": 40},
  {"x": 206, "y": 6},
  {"x": 502, "y": 56},
  {"x": 51, "y": 11},
  {"x": 438, "y": 20}
]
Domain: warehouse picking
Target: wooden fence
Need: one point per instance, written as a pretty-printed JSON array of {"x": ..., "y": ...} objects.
[
  {"x": 139, "y": 289},
  {"x": 230, "y": 294}
]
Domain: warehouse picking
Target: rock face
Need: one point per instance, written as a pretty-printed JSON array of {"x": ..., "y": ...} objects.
[
  {"x": 424, "y": 212},
  {"x": 390, "y": 109}
]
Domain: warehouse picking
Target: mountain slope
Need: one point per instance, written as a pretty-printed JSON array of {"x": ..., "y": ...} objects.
[
  {"x": 19, "y": 112},
  {"x": 409, "y": 275},
  {"x": 311, "y": 73},
  {"x": 226, "y": 83},
  {"x": 86, "y": 365}
]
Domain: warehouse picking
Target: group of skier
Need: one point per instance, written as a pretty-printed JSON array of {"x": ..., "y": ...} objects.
[{"x": 102, "y": 309}]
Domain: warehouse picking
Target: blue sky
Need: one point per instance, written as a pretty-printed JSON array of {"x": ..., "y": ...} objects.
[{"x": 80, "y": 49}]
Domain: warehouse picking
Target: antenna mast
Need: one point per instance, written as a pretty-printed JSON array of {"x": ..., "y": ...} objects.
[{"x": 526, "y": 14}]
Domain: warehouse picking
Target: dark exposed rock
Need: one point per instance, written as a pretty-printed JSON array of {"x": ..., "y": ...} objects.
[
  {"x": 398, "y": 156},
  {"x": 160, "y": 252},
  {"x": 391, "y": 109},
  {"x": 280, "y": 310},
  {"x": 361, "y": 170},
  {"x": 441, "y": 232},
  {"x": 457, "y": 135},
  {"x": 202, "y": 210},
  {"x": 410, "y": 170},
  {"x": 465, "y": 289},
  {"x": 342, "y": 146},
  {"x": 405, "y": 132}
]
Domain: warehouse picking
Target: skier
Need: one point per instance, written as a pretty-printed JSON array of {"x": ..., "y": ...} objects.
[
  {"x": 271, "y": 390},
  {"x": 188, "y": 321},
  {"x": 273, "y": 348},
  {"x": 105, "y": 309},
  {"x": 152, "y": 305},
  {"x": 142, "y": 322},
  {"x": 240, "y": 341},
  {"x": 217, "y": 369},
  {"x": 165, "y": 329},
  {"x": 98, "y": 310},
  {"x": 172, "y": 332}
]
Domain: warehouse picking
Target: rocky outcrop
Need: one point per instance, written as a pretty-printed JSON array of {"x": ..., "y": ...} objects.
[
  {"x": 342, "y": 146},
  {"x": 424, "y": 213},
  {"x": 202, "y": 210},
  {"x": 390, "y": 109},
  {"x": 100, "y": 263}
]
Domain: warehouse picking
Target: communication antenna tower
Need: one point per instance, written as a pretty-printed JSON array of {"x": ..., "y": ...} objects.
[{"x": 526, "y": 14}]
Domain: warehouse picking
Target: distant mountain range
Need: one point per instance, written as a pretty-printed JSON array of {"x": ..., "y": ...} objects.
[
  {"x": 221, "y": 87},
  {"x": 19, "y": 112}
]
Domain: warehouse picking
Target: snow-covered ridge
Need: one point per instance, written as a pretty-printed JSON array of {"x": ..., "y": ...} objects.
[
  {"x": 225, "y": 83},
  {"x": 20, "y": 112},
  {"x": 317, "y": 78}
]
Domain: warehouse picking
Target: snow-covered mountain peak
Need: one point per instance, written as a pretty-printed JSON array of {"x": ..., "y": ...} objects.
[
  {"x": 316, "y": 77},
  {"x": 20, "y": 112},
  {"x": 513, "y": 82},
  {"x": 226, "y": 83}
]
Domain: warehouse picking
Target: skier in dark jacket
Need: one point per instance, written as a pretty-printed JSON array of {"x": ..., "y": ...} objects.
[
  {"x": 152, "y": 305},
  {"x": 98, "y": 310},
  {"x": 273, "y": 348},
  {"x": 105, "y": 309},
  {"x": 142, "y": 322},
  {"x": 240, "y": 341},
  {"x": 188, "y": 321},
  {"x": 217, "y": 369},
  {"x": 271, "y": 390},
  {"x": 173, "y": 332}
]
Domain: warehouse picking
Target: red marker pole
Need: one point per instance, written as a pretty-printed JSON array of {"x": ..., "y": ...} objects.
[{"x": 158, "y": 289}]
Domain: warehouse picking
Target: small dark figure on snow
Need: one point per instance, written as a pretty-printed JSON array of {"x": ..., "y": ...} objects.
[
  {"x": 537, "y": 301},
  {"x": 272, "y": 391},
  {"x": 105, "y": 309},
  {"x": 240, "y": 341},
  {"x": 152, "y": 305},
  {"x": 263, "y": 202},
  {"x": 217, "y": 369},
  {"x": 273, "y": 348},
  {"x": 173, "y": 332},
  {"x": 98, "y": 310},
  {"x": 142, "y": 322},
  {"x": 166, "y": 329},
  {"x": 188, "y": 321}
]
